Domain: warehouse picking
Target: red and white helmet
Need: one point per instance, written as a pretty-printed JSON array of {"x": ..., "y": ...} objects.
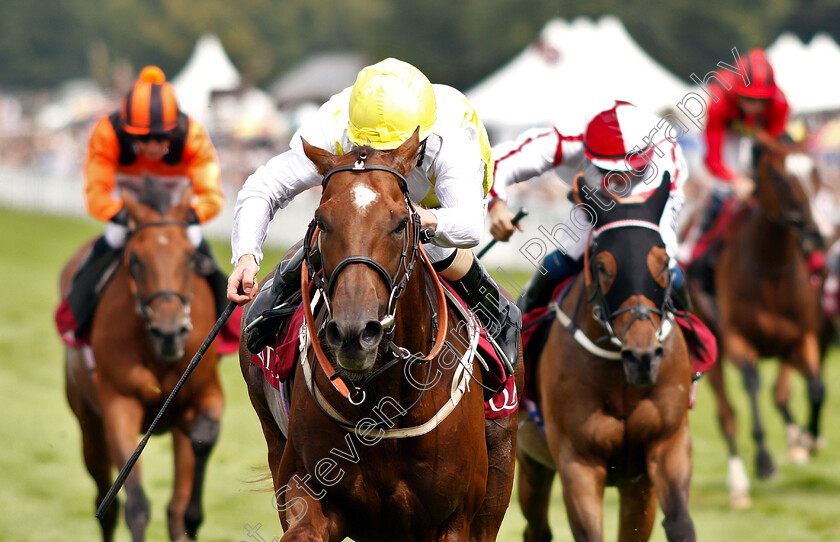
[
  {"x": 619, "y": 138},
  {"x": 759, "y": 72}
]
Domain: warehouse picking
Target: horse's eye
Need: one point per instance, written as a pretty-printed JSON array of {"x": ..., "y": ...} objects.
[
  {"x": 401, "y": 226},
  {"x": 320, "y": 224}
]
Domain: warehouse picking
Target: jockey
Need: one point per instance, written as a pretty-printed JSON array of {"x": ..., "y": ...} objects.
[
  {"x": 388, "y": 101},
  {"x": 624, "y": 150},
  {"x": 149, "y": 137},
  {"x": 747, "y": 105}
]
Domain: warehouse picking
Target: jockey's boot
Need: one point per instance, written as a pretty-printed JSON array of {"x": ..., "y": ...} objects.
[
  {"x": 89, "y": 281},
  {"x": 498, "y": 315},
  {"x": 209, "y": 269},
  {"x": 278, "y": 298},
  {"x": 558, "y": 268}
]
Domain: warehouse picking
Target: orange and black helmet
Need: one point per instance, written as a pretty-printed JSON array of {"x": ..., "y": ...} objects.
[{"x": 150, "y": 107}]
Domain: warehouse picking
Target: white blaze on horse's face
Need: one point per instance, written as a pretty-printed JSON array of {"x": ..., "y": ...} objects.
[
  {"x": 363, "y": 196},
  {"x": 162, "y": 240}
]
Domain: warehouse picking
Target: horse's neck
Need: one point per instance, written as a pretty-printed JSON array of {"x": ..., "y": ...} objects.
[{"x": 769, "y": 241}]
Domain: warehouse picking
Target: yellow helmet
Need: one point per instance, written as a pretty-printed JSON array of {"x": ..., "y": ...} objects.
[{"x": 388, "y": 102}]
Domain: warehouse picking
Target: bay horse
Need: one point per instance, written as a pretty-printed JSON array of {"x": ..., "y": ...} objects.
[
  {"x": 151, "y": 318},
  {"x": 617, "y": 414},
  {"x": 767, "y": 306},
  {"x": 381, "y": 444}
]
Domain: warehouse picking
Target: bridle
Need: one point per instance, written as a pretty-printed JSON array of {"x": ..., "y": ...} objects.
[
  {"x": 144, "y": 303},
  {"x": 396, "y": 284},
  {"x": 601, "y": 310}
]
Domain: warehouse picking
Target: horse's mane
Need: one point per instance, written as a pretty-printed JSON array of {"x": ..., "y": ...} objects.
[{"x": 155, "y": 196}]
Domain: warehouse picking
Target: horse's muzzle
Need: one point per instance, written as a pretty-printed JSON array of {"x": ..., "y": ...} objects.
[
  {"x": 169, "y": 345},
  {"x": 641, "y": 364},
  {"x": 355, "y": 343}
]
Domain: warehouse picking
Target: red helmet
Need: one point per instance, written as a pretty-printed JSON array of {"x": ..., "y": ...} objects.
[
  {"x": 759, "y": 73},
  {"x": 150, "y": 107},
  {"x": 615, "y": 139}
]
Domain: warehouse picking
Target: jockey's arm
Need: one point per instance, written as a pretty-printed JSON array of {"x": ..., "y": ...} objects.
[
  {"x": 270, "y": 188},
  {"x": 100, "y": 172},
  {"x": 204, "y": 172},
  {"x": 714, "y": 135},
  {"x": 531, "y": 154},
  {"x": 459, "y": 175}
]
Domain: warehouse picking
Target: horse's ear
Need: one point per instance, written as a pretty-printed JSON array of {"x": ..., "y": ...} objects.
[
  {"x": 185, "y": 204},
  {"x": 324, "y": 161},
  {"x": 132, "y": 206},
  {"x": 581, "y": 193},
  {"x": 574, "y": 195},
  {"x": 656, "y": 202},
  {"x": 405, "y": 156}
]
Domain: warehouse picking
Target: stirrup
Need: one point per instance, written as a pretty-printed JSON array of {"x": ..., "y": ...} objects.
[{"x": 270, "y": 309}]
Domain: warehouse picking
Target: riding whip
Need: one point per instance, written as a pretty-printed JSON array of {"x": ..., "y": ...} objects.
[
  {"x": 522, "y": 213},
  {"x": 126, "y": 470}
]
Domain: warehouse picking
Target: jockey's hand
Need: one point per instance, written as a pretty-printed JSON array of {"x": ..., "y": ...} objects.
[
  {"x": 501, "y": 222},
  {"x": 428, "y": 219},
  {"x": 244, "y": 275},
  {"x": 743, "y": 187}
]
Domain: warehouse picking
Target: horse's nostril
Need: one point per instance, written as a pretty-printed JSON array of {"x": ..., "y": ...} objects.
[
  {"x": 658, "y": 353},
  {"x": 334, "y": 337},
  {"x": 372, "y": 333}
]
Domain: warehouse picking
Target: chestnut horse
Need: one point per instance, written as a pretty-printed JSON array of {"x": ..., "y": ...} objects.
[
  {"x": 617, "y": 414},
  {"x": 382, "y": 444},
  {"x": 767, "y": 307},
  {"x": 152, "y": 316}
]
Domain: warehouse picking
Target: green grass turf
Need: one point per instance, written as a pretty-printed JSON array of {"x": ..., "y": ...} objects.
[{"x": 46, "y": 493}]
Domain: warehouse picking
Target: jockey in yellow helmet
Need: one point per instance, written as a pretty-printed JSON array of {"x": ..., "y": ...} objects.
[{"x": 382, "y": 109}]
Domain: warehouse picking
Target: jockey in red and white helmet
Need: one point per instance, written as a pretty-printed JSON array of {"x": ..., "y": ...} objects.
[{"x": 623, "y": 149}]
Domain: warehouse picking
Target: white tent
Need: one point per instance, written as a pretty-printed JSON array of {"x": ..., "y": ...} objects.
[
  {"x": 207, "y": 70},
  {"x": 316, "y": 78},
  {"x": 572, "y": 67},
  {"x": 806, "y": 72}
]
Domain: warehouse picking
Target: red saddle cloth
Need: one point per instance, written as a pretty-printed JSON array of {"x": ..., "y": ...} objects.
[
  {"x": 701, "y": 342},
  {"x": 278, "y": 364},
  {"x": 227, "y": 341}
]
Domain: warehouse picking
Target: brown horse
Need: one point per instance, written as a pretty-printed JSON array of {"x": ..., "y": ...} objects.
[
  {"x": 152, "y": 317},
  {"x": 767, "y": 307},
  {"x": 382, "y": 444},
  {"x": 615, "y": 415}
]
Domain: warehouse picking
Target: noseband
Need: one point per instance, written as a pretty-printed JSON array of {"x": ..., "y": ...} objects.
[
  {"x": 408, "y": 256},
  {"x": 639, "y": 311}
]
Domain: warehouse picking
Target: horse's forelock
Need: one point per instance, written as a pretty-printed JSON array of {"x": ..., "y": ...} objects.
[{"x": 155, "y": 196}]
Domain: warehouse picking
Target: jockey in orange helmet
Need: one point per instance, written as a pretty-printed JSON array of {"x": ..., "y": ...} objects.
[
  {"x": 623, "y": 149},
  {"x": 148, "y": 137},
  {"x": 388, "y": 101}
]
